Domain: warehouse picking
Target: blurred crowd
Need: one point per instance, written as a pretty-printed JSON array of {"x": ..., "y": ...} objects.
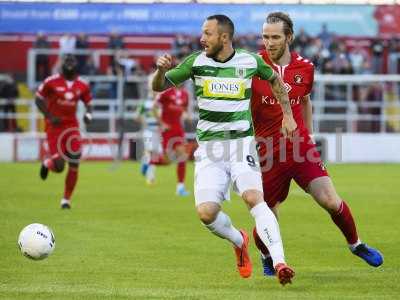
[
  {"x": 330, "y": 53},
  {"x": 120, "y": 63}
]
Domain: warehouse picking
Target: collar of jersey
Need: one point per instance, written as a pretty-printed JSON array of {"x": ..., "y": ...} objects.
[{"x": 226, "y": 60}]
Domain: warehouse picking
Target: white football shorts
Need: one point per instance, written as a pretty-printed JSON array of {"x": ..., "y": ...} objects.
[{"x": 220, "y": 164}]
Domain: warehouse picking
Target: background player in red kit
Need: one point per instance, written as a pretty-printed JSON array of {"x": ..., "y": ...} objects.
[
  {"x": 169, "y": 108},
  {"x": 57, "y": 98},
  {"x": 283, "y": 160}
]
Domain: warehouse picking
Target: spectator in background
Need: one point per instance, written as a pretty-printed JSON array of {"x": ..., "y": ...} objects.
[
  {"x": 341, "y": 60},
  {"x": 301, "y": 42},
  {"x": 67, "y": 44},
  {"x": 82, "y": 43},
  {"x": 115, "y": 41},
  {"x": 371, "y": 93},
  {"x": 126, "y": 65},
  {"x": 42, "y": 60},
  {"x": 325, "y": 36},
  {"x": 194, "y": 43},
  {"x": 180, "y": 44},
  {"x": 393, "y": 56},
  {"x": 316, "y": 52},
  {"x": 9, "y": 92},
  {"x": 377, "y": 49},
  {"x": 252, "y": 41},
  {"x": 366, "y": 68},
  {"x": 90, "y": 67},
  {"x": 357, "y": 58}
]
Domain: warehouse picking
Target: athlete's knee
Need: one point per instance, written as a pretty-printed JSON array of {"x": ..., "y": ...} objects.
[
  {"x": 59, "y": 165},
  {"x": 207, "y": 212},
  {"x": 181, "y": 153},
  {"x": 327, "y": 198},
  {"x": 252, "y": 197},
  {"x": 275, "y": 210},
  {"x": 167, "y": 157}
]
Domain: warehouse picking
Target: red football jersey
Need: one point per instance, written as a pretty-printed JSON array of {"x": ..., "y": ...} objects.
[
  {"x": 173, "y": 102},
  {"x": 62, "y": 96},
  {"x": 298, "y": 77}
]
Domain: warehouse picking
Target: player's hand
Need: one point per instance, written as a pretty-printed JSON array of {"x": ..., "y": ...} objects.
[
  {"x": 164, "y": 127},
  {"x": 164, "y": 63},
  {"x": 289, "y": 126},
  {"x": 54, "y": 120},
  {"x": 312, "y": 138},
  {"x": 87, "y": 118}
]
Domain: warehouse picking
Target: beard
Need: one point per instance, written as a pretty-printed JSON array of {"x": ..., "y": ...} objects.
[
  {"x": 69, "y": 72},
  {"x": 277, "y": 54},
  {"x": 214, "y": 51}
]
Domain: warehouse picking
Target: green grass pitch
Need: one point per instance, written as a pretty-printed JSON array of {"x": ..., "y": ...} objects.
[{"x": 125, "y": 240}]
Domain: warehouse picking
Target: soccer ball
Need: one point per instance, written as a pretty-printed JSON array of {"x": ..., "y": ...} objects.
[{"x": 36, "y": 241}]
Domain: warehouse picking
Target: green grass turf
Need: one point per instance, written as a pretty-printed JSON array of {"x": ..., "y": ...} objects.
[{"x": 125, "y": 240}]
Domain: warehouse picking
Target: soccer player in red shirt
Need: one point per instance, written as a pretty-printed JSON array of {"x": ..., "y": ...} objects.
[
  {"x": 57, "y": 98},
  {"x": 282, "y": 160},
  {"x": 169, "y": 109}
]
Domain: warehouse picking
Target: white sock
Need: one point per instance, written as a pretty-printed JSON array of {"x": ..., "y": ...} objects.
[
  {"x": 63, "y": 201},
  {"x": 268, "y": 230},
  {"x": 222, "y": 227},
  {"x": 354, "y": 246},
  {"x": 146, "y": 158},
  {"x": 151, "y": 173},
  {"x": 180, "y": 185}
]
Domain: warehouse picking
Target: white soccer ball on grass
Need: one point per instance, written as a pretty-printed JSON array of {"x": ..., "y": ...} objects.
[{"x": 36, "y": 241}]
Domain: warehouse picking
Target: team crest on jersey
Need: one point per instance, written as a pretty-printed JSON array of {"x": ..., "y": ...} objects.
[
  {"x": 298, "y": 78},
  {"x": 68, "y": 96},
  {"x": 241, "y": 72}
]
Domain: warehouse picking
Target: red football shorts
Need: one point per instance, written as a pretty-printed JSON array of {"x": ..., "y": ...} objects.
[
  {"x": 64, "y": 141},
  {"x": 172, "y": 138},
  {"x": 277, "y": 176}
]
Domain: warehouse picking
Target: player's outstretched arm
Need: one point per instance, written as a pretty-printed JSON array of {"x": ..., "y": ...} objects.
[
  {"x": 288, "y": 123},
  {"x": 41, "y": 105},
  {"x": 164, "y": 63}
]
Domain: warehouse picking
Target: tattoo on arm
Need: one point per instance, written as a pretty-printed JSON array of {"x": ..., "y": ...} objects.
[{"x": 280, "y": 93}]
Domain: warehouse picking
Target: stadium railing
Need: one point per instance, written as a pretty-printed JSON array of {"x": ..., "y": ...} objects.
[{"x": 337, "y": 101}]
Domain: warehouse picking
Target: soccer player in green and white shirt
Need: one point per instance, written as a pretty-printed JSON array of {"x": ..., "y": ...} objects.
[
  {"x": 227, "y": 154},
  {"x": 151, "y": 138}
]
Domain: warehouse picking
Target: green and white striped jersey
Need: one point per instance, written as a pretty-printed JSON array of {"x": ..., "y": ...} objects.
[
  {"x": 145, "y": 109},
  {"x": 223, "y": 92}
]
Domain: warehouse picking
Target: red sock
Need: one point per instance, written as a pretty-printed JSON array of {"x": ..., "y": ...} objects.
[
  {"x": 344, "y": 220},
  {"x": 260, "y": 245},
  {"x": 70, "y": 182},
  {"x": 181, "y": 170}
]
